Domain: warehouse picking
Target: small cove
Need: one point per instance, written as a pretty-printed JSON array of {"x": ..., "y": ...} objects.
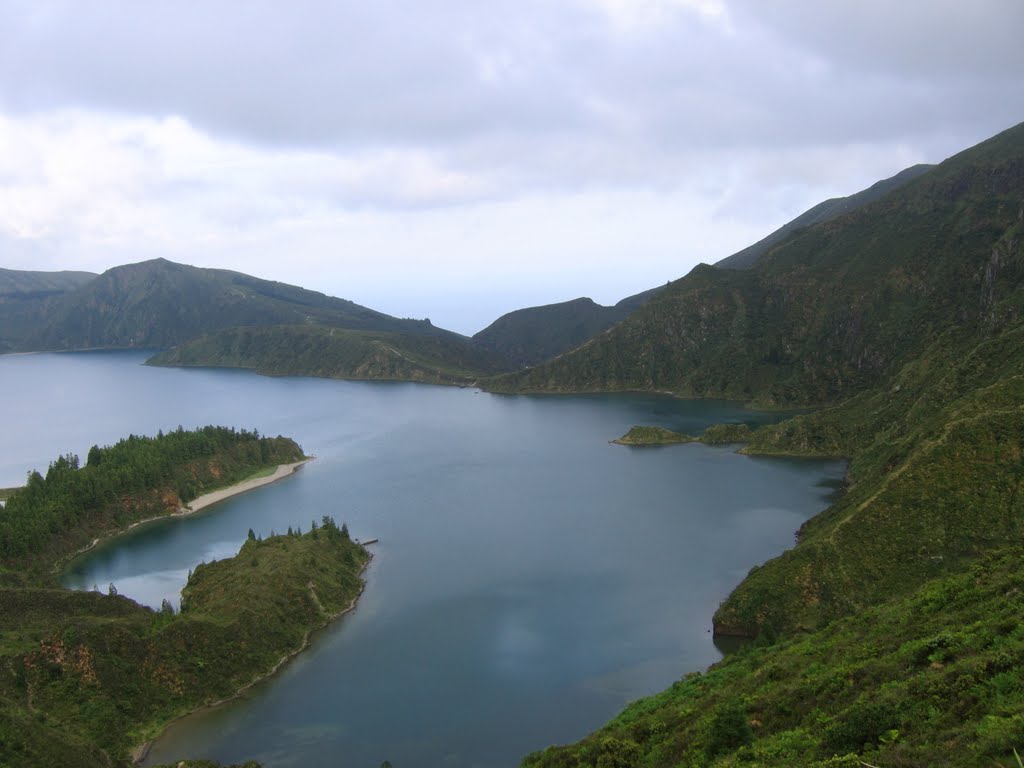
[{"x": 529, "y": 581}]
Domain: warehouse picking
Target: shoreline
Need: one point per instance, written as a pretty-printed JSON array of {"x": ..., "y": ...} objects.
[
  {"x": 197, "y": 504},
  {"x": 141, "y": 752},
  {"x": 208, "y": 499}
]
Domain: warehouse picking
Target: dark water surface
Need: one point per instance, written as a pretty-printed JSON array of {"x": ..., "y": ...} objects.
[{"x": 530, "y": 579}]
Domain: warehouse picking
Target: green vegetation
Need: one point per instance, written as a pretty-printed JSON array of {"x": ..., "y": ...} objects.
[
  {"x": 6, "y": 492},
  {"x": 908, "y": 313},
  {"x": 723, "y": 434},
  {"x": 26, "y": 297},
  {"x": 56, "y": 515},
  {"x": 822, "y": 212},
  {"x": 209, "y": 764},
  {"x": 157, "y": 304},
  {"x": 935, "y": 481},
  {"x": 834, "y": 310},
  {"x": 933, "y": 679},
  {"x": 890, "y": 633},
  {"x": 85, "y": 676},
  {"x": 533, "y": 335},
  {"x": 719, "y": 434},
  {"x": 18, "y": 282},
  {"x": 337, "y": 353},
  {"x": 98, "y": 670},
  {"x": 652, "y": 436}
]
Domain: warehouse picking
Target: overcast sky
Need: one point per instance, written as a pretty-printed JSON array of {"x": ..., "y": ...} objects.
[{"x": 460, "y": 159}]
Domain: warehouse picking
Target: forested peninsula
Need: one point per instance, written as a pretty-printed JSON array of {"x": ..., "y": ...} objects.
[{"x": 87, "y": 677}]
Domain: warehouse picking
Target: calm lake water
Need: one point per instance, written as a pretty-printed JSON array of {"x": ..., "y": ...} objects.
[{"x": 530, "y": 579}]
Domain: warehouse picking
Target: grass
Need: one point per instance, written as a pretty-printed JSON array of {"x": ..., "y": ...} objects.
[{"x": 265, "y": 472}]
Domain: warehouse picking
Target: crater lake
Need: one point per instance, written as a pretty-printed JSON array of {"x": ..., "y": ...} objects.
[{"x": 530, "y": 579}]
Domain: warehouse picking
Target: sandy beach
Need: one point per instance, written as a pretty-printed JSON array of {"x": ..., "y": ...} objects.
[
  {"x": 198, "y": 503},
  {"x": 233, "y": 490}
]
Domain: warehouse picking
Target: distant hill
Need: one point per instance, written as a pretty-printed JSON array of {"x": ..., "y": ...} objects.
[
  {"x": 531, "y": 336},
  {"x": 338, "y": 353},
  {"x": 223, "y": 318},
  {"x": 160, "y": 303},
  {"x": 535, "y": 334},
  {"x": 831, "y": 311},
  {"x": 883, "y": 634},
  {"x": 17, "y": 281},
  {"x": 25, "y": 297},
  {"x": 822, "y": 212},
  {"x": 907, "y": 316}
]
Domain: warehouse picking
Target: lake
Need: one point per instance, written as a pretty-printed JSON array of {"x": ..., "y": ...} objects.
[{"x": 530, "y": 580}]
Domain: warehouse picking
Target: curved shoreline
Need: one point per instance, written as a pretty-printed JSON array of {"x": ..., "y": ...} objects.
[
  {"x": 208, "y": 499},
  {"x": 198, "y": 503},
  {"x": 141, "y": 752}
]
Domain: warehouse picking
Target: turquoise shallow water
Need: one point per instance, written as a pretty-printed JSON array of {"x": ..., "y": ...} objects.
[{"x": 530, "y": 579}]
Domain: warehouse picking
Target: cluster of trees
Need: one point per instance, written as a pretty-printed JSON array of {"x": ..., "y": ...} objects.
[
  {"x": 327, "y": 525},
  {"x": 137, "y": 477}
]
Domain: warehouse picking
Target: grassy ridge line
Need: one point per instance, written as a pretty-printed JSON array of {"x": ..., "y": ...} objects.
[
  {"x": 100, "y": 672},
  {"x": 832, "y": 311}
]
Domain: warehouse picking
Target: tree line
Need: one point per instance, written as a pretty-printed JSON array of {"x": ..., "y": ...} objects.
[{"x": 136, "y": 478}]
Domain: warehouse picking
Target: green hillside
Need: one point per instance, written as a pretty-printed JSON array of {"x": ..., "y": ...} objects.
[
  {"x": 890, "y": 634},
  {"x": 158, "y": 304},
  {"x": 25, "y": 298},
  {"x": 907, "y": 314},
  {"x": 338, "y": 353},
  {"x": 223, "y": 318},
  {"x": 535, "y": 334},
  {"x": 822, "y": 212},
  {"x": 928, "y": 680},
  {"x": 85, "y": 677},
  {"x": 833, "y": 311},
  {"x": 18, "y": 281},
  {"x": 63, "y": 510}
]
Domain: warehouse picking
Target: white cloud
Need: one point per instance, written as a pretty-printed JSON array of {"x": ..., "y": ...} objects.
[{"x": 555, "y": 147}]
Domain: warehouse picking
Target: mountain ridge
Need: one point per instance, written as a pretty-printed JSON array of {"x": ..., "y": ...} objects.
[
  {"x": 820, "y": 213},
  {"x": 531, "y": 335},
  {"x": 883, "y": 636}
]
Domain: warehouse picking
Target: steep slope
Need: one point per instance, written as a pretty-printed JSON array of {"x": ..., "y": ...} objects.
[
  {"x": 889, "y": 635},
  {"x": 535, "y": 334},
  {"x": 289, "y": 350},
  {"x": 822, "y": 212},
  {"x": 909, "y": 315},
  {"x": 159, "y": 303},
  {"x": 832, "y": 312}
]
